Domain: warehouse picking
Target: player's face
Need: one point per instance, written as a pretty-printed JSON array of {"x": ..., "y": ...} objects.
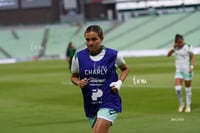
[
  {"x": 180, "y": 42},
  {"x": 93, "y": 42}
]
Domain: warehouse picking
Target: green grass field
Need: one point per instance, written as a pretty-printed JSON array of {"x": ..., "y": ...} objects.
[{"x": 38, "y": 97}]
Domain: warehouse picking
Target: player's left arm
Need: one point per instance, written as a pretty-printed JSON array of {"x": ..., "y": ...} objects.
[
  {"x": 192, "y": 59},
  {"x": 124, "y": 72},
  {"x": 120, "y": 62}
]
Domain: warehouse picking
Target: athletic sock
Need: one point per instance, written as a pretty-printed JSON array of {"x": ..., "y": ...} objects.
[
  {"x": 188, "y": 91},
  {"x": 179, "y": 94}
]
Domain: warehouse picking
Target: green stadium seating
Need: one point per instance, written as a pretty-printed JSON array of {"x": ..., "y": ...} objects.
[
  {"x": 139, "y": 33},
  {"x": 2, "y": 56},
  {"x": 126, "y": 27},
  {"x": 193, "y": 38},
  {"x": 58, "y": 39},
  {"x": 158, "y": 33},
  {"x": 28, "y": 44},
  {"x": 188, "y": 27}
]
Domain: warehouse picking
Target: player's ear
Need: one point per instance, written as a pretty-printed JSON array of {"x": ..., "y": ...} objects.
[{"x": 101, "y": 37}]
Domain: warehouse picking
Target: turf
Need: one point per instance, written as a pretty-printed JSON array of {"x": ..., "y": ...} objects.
[{"x": 38, "y": 97}]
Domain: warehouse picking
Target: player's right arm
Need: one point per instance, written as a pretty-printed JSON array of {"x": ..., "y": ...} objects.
[
  {"x": 75, "y": 74},
  {"x": 80, "y": 83},
  {"x": 172, "y": 50}
]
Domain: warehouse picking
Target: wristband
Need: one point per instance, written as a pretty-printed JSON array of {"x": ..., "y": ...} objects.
[
  {"x": 116, "y": 85},
  {"x": 191, "y": 66}
]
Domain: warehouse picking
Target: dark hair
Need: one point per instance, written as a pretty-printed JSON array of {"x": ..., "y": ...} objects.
[
  {"x": 178, "y": 36},
  {"x": 95, "y": 28}
]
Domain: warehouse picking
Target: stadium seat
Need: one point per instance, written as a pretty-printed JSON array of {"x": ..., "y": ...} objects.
[
  {"x": 157, "y": 33},
  {"x": 27, "y": 45},
  {"x": 58, "y": 38},
  {"x": 139, "y": 33}
]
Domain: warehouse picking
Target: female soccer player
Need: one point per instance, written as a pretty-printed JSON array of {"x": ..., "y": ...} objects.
[
  {"x": 94, "y": 71},
  {"x": 184, "y": 71}
]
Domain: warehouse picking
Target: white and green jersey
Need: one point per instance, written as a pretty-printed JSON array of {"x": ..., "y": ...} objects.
[
  {"x": 75, "y": 64},
  {"x": 182, "y": 57}
]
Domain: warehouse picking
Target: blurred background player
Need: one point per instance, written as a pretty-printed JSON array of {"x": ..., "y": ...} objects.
[
  {"x": 94, "y": 71},
  {"x": 184, "y": 71},
  {"x": 70, "y": 53}
]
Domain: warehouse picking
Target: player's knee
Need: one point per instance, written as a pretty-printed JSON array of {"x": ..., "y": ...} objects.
[{"x": 188, "y": 84}]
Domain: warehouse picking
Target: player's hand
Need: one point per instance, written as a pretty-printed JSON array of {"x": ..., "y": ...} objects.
[
  {"x": 83, "y": 82},
  {"x": 175, "y": 45},
  {"x": 191, "y": 69},
  {"x": 115, "y": 86}
]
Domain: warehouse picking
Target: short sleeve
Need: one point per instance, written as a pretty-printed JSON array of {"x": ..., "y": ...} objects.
[
  {"x": 119, "y": 60},
  {"x": 75, "y": 65},
  {"x": 190, "y": 49}
]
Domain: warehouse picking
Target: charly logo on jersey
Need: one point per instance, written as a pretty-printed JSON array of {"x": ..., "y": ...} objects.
[{"x": 97, "y": 70}]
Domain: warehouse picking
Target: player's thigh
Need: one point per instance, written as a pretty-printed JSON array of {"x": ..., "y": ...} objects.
[
  {"x": 179, "y": 78},
  {"x": 178, "y": 81},
  {"x": 102, "y": 126},
  {"x": 105, "y": 118},
  {"x": 188, "y": 78}
]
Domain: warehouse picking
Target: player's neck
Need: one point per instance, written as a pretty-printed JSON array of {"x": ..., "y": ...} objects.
[{"x": 98, "y": 52}]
